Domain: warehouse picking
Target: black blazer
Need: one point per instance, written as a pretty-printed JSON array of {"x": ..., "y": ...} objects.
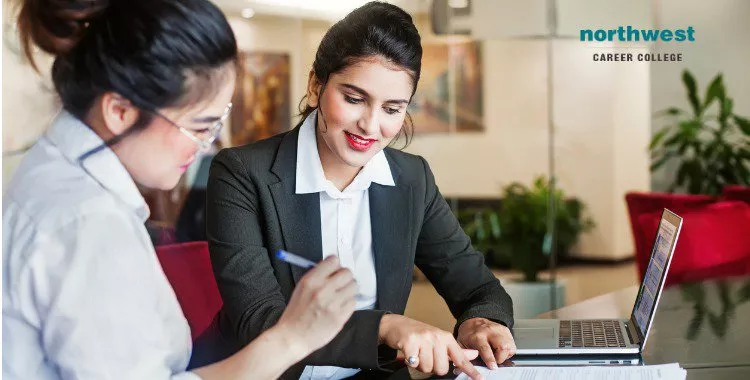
[{"x": 252, "y": 211}]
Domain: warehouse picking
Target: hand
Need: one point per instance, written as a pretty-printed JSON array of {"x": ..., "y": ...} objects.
[
  {"x": 493, "y": 340},
  {"x": 320, "y": 305},
  {"x": 434, "y": 348}
]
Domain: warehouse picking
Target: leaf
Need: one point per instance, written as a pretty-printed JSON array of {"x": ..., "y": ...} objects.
[
  {"x": 495, "y": 225},
  {"x": 661, "y": 161},
  {"x": 689, "y": 81},
  {"x": 726, "y": 109},
  {"x": 657, "y": 138},
  {"x": 743, "y": 123},
  {"x": 715, "y": 91},
  {"x": 671, "y": 111}
]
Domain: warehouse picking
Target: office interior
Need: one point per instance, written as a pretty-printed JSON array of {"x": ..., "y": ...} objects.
[{"x": 512, "y": 106}]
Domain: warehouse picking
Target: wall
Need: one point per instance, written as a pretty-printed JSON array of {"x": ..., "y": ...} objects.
[
  {"x": 297, "y": 37},
  {"x": 602, "y": 126},
  {"x": 722, "y": 44}
]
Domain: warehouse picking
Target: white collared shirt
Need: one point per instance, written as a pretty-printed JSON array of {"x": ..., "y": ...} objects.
[
  {"x": 84, "y": 296},
  {"x": 345, "y": 223}
]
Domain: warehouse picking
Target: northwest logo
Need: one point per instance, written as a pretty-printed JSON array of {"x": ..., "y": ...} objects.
[{"x": 630, "y": 34}]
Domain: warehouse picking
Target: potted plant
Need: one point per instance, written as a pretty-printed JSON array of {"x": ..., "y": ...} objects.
[
  {"x": 711, "y": 145},
  {"x": 517, "y": 234}
]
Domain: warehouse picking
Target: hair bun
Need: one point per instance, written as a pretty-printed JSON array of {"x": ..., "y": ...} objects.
[{"x": 56, "y": 26}]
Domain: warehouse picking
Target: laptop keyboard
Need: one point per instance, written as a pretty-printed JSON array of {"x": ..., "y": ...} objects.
[{"x": 594, "y": 333}]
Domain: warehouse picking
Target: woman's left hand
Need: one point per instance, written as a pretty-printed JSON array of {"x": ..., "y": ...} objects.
[{"x": 493, "y": 341}]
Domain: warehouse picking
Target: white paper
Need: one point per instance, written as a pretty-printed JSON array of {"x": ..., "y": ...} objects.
[{"x": 655, "y": 372}]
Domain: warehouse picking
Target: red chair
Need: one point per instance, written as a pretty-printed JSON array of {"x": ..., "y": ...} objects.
[
  {"x": 644, "y": 203},
  {"x": 188, "y": 269},
  {"x": 736, "y": 193},
  {"x": 714, "y": 242}
]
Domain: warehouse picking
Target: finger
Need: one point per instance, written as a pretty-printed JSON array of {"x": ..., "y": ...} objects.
[
  {"x": 470, "y": 354},
  {"x": 426, "y": 362},
  {"x": 348, "y": 292},
  {"x": 410, "y": 350},
  {"x": 503, "y": 346},
  {"x": 440, "y": 364},
  {"x": 329, "y": 289},
  {"x": 322, "y": 270},
  {"x": 487, "y": 355},
  {"x": 340, "y": 278},
  {"x": 347, "y": 308},
  {"x": 462, "y": 360}
]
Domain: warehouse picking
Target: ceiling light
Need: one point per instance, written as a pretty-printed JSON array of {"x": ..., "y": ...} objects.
[{"x": 248, "y": 13}]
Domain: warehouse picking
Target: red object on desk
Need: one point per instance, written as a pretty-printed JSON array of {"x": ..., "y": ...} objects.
[
  {"x": 188, "y": 269},
  {"x": 714, "y": 242}
]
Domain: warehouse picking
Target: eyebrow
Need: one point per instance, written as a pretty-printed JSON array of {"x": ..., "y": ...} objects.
[
  {"x": 206, "y": 119},
  {"x": 365, "y": 94}
]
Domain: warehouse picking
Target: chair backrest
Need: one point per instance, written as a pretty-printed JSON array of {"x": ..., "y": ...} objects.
[
  {"x": 714, "y": 241},
  {"x": 644, "y": 203},
  {"x": 736, "y": 193},
  {"x": 188, "y": 269}
]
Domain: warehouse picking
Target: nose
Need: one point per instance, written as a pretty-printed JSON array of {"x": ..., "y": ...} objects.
[{"x": 369, "y": 123}]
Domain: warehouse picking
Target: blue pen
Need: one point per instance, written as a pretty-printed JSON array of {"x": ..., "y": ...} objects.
[{"x": 294, "y": 259}]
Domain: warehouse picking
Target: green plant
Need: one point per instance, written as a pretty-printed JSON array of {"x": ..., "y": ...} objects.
[
  {"x": 516, "y": 233},
  {"x": 711, "y": 149}
]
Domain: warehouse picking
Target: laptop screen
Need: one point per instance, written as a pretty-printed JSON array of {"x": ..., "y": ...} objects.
[{"x": 655, "y": 275}]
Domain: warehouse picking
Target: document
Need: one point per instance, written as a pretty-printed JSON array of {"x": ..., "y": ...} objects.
[{"x": 654, "y": 372}]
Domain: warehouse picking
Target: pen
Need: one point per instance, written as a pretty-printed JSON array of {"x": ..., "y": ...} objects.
[{"x": 294, "y": 259}]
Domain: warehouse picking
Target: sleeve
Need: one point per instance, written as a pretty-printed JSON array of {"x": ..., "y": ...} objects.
[
  {"x": 96, "y": 288},
  {"x": 446, "y": 256},
  {"x": 252, "y": 296}
]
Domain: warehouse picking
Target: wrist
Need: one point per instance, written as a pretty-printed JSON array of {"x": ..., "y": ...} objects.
[
  {"x": 386, "y": 321},
  {"x": 288, "y": 342}
]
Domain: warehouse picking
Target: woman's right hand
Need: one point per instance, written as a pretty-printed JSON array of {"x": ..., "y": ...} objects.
[
  {"x": 320, "y": 305},
  {"x": 434, "y": 348}
]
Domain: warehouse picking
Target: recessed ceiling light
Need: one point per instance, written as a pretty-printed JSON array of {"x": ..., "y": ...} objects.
[{"x": 248, "y": 13}]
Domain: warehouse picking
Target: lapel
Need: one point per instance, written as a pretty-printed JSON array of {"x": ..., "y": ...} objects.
[
  {"x": 390, "y": 218},
  {"x": 299, "y": 214}
]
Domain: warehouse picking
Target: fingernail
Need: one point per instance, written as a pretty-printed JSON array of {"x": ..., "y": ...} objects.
[
  {"x": 456, "y": 371},
  {"x": 493, "y": 365}
]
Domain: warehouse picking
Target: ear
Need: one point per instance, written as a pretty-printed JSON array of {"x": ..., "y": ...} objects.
[
  {"x": 118, "y": 113},
  {"x": 313, "y": 89}
]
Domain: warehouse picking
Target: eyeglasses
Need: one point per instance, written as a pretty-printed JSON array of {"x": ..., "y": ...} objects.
[{"x": 203, "y": 138}]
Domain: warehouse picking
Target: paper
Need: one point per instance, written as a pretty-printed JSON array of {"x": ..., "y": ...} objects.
[{"x": 655, "y": 372}]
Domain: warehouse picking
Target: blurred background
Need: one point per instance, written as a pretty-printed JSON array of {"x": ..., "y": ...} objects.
[{"x": 555, "y": 164}]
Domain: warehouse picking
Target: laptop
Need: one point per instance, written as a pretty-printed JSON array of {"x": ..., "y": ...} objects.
[{"x": 544, "y": 337}]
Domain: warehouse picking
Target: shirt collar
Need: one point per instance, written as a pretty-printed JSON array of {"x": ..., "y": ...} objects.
[
  {"x": 310, "y": 177},
  {"x": 74, "y": 139}
]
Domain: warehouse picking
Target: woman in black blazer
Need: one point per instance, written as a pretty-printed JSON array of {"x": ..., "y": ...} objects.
[{"x": 310, "y": 190}]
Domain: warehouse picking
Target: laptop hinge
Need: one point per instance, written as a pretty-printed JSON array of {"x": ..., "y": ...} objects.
[{"x": 632, "y": 334}]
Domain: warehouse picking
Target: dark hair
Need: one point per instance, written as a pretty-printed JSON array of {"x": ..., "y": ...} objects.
[
  {"x": 155, "y": 53},
  {"x": 374, "y": 29}
]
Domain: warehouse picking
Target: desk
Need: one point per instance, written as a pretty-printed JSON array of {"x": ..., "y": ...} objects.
[{"x": 704, "y": 326}]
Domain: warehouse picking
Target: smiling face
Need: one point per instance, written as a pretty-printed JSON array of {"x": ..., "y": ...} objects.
[{"x": 360, "y": 111}]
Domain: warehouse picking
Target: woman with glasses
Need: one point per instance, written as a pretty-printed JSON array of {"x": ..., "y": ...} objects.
[{"x": 144, "y": 85}]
